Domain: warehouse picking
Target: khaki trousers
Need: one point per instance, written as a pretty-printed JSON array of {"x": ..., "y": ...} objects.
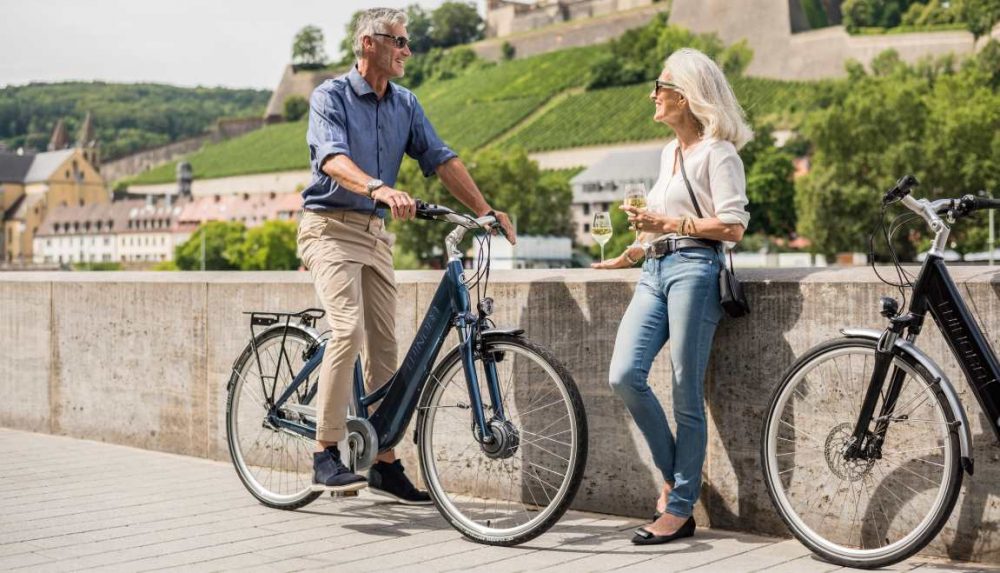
[{"x": 350, "y": 257}]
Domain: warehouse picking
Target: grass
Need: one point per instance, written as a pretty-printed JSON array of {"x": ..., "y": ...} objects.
[
  {"x": 279, "y": 147},
  {"x": 540, "y": 96},
  {"x": 468, "y": 112},
  {"x": 624, "y": 114}
]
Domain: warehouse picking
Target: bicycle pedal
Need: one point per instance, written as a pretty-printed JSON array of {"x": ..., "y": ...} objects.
[{"x": 344, "y": 493}]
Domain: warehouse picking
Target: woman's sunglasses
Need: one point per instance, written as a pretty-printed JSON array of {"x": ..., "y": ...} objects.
[
  {"x": 665, "y": 85},
  {"x": 399, "y": 41}
]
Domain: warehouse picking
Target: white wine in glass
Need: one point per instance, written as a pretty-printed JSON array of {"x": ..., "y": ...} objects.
[
  {"x": 601, "y": 230},
  {"x": 635, "y": 196}
]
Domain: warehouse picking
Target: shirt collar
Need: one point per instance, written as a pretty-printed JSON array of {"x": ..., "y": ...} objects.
[{"x": 360, "y": 85}]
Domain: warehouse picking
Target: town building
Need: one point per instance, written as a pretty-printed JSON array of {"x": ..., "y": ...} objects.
[
  {"x": 530, "y": 252},
  {"x": 506, "y": 17},
  {"x": 133, "y": 232},
  {"x": 600, "y": 186},
  {"x": 31, "y": 184}
]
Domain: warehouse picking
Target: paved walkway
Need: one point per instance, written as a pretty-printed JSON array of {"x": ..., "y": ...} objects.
[{"x": 70, "y": 505}]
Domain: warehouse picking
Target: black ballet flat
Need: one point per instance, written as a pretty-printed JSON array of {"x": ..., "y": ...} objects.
[{"x": 645, "y": 537}]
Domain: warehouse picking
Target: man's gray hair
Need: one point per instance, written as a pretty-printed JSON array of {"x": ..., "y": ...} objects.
[{"x": 376, "y": 21}]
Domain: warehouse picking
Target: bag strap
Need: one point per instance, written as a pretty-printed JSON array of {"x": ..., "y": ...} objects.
[
  {"x": 694, "y": 201},
  {"x": 687, "y": 183}
]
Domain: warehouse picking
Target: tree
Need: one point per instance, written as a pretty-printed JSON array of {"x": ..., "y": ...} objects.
[
  {"x": 222, "y": 241},
  {"x": 508, "y": 51},
  {"x": 537, "y": 202},
  {"x": 296, "y": 107},
  {"x": 307, "y": 49},
  {"x": 347, "y": 44},
  {"x": 456, "y": 23},
  {"x": 771, "y": 193},
  {"x": 269, "y": 247},
  {"x": 418, "y": 28},
  {"x": 942, "y": 127},
  {"x": 980, "y": 16}
]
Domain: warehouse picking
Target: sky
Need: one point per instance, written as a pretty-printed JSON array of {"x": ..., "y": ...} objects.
[{"x": 229, "y": 43}]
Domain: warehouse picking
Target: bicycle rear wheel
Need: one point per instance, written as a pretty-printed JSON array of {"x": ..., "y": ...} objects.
[
  {"x": 274, "y": 464},
  {"x": 859, "y": 513},
  {"x": 514, "y": 491}
]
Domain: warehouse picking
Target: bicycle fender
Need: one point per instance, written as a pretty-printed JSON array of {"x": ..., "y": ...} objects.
[
  {"x": 909, "y": 349},
  {"x": 502, "y": 332}
]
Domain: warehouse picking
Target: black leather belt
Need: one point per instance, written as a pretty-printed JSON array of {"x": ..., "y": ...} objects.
[{"x": 667, "y": 245}]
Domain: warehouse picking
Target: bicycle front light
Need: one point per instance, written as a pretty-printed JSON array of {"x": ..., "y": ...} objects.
[{"x": 485, "y": 307}]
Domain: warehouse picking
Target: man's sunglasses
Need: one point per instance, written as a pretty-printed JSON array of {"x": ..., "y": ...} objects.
[
  {"x": 399, "y": 41},
  {"x": 665, "y": 85}
]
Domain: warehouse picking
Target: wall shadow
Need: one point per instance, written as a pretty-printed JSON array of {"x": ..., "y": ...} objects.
[{"x": 577, "y": 322}]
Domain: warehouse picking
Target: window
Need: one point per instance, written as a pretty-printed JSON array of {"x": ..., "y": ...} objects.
[
  {"x": 586, "y": 208},
  {"x": 586, "y": 227},
  {"x": 604, "y": 206},
  {"x": 55, "y": 228}
]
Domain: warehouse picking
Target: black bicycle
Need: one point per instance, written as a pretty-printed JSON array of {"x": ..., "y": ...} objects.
[
  {"x": 501, "y": 431},
  {"x": 866, "y": 439}
]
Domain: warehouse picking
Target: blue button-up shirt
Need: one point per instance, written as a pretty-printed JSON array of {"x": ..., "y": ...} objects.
[{"x": 346, "y": 117}]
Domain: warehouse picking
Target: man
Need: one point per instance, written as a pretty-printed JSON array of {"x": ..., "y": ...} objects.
[{"x": 360, "y": 125}]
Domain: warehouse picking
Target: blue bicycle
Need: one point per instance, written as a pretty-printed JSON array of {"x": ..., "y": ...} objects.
[{"x": 501, "y": 431}]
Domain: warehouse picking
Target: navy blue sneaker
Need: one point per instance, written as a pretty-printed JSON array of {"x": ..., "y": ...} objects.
[
  {"x": 330, "y": 474},
  {"x": 388, "y": 480}
]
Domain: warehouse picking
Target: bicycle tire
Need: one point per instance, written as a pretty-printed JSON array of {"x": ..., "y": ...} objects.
[
  {"x": 294, "y": 480},
  {"x": 800, "y": 519},
  {"x": 514, "y": 349}
]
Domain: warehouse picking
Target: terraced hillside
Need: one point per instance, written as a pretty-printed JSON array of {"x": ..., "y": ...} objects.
[{"x": 537, "y": 103}]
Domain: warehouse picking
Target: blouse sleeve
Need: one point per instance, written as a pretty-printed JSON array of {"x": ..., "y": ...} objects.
[{"x": 728, "y": 185}]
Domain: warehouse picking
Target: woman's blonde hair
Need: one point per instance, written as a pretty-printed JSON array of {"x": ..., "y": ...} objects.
[{"x": 710, "y": 97}]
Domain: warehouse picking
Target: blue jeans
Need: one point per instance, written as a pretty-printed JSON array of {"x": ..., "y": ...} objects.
[{"x": 677, "y": 299}]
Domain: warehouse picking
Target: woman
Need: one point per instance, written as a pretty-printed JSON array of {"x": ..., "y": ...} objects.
[{"x": 677, "y": 297}]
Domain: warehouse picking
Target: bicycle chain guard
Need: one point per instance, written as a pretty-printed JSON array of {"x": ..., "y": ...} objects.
[{"x": 362, "y": 444}]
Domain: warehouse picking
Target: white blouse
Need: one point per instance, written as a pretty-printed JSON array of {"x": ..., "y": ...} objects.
[{"x": 717, "y": 178}]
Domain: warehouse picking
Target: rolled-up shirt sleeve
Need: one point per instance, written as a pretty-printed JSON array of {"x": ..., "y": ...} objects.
[
  {"x": 728, "y": 184},
  {"x": 424, "y": 144},
  {"x": 327, "y": 133}
]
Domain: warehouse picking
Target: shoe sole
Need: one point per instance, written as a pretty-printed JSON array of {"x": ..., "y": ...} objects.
[
  {"x": 339, "y": 488},
  {"x": 387, "y": 495}
]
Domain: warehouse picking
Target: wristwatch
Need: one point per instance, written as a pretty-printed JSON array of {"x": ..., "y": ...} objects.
[{"x": 372, "y": 185}]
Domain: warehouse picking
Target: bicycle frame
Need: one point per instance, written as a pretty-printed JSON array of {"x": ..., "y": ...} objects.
[
  {"x": 934, "y": 292},
  {"x": 449, "y": 308}
]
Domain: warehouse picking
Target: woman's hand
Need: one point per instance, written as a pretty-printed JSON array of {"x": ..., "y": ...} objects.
[
  {"x": 645, "y": 221},
  {"x": 620, "y": 262}
]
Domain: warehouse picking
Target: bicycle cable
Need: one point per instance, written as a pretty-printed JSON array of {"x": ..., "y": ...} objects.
[{"x": 905, "y": 279}]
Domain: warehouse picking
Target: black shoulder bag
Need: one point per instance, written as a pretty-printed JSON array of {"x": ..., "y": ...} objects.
[{"x": 734, "y": 302}]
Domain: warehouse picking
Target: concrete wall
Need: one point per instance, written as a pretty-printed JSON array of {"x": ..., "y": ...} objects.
[
  {"x": 778, "y": 53},
  {"x": 143, "y": 358}
]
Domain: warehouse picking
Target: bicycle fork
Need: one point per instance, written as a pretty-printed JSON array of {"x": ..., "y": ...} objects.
[
  {"x": 865, "y": 443},
  {"x": 467, "y": 326}
]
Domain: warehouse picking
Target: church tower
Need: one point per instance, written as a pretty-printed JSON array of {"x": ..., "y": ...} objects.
[{"x": 87, "y": 142}]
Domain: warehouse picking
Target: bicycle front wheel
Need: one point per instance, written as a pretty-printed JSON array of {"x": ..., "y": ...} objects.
[
  {"x": 859, "y": 512},
  {"x": 273, "y": 463},
  {"x": 516, "y": 489}
]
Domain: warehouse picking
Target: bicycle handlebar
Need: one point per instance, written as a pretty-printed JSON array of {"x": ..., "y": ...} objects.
[{"x": 432, "y": 212}]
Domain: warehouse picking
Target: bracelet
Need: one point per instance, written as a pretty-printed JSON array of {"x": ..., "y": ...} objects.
[
  {"x": 691, "y": 228},
  {"x": 630, "y": 259},
  {"x": 682, "y": 228}
]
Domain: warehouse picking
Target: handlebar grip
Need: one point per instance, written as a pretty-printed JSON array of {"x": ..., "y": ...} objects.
[
  {"x": 983, "y": 202},
  {"x": 901, "y": 189}
]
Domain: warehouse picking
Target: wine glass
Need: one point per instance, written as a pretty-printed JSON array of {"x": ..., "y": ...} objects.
[
  {"x": 601, "y": 230},
  {"x": 635, "y": 196}
]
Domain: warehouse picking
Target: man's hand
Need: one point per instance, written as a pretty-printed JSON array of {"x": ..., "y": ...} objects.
[
  {"x": 508, "y": 228},
  {"x": 402, "y": 205}
]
